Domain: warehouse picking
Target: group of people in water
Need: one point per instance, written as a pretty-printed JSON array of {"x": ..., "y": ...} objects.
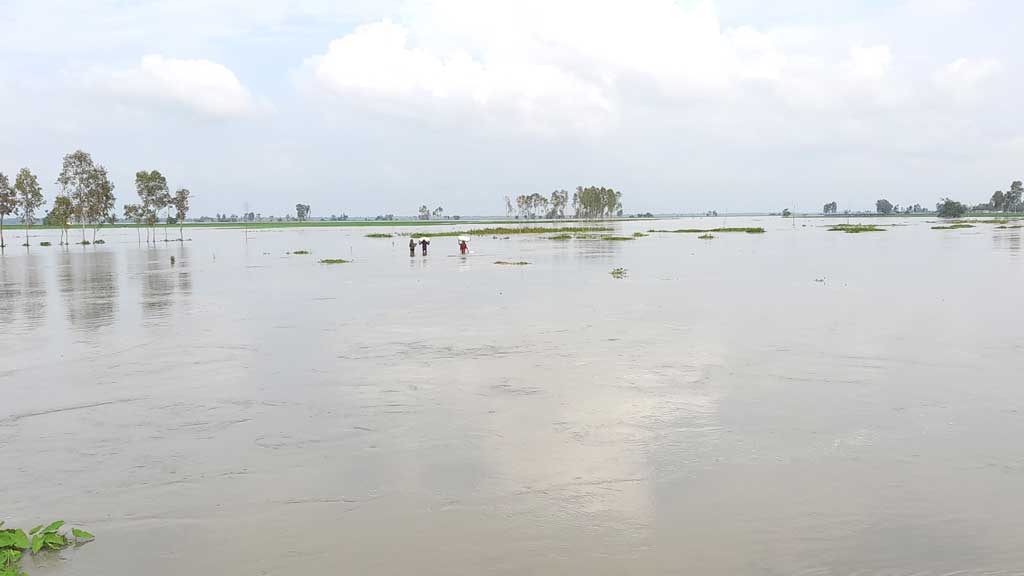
[{"x": 425, "y": 242}]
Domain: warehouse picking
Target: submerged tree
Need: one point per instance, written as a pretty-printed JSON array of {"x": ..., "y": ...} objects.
[
  {"x": 424, "y": 212},
  {"x": 60, "y": 215},
  {"x": 883, "y": 206},
  {"x": 594, "y": 202},
  {"x": 8, "y": 203},
  {"x": 950, "y": 208},
  {"x": 559, "y": 200},
  {"x": 180, "y": 202},
  {"x": 30, "y": 199},
  {"x": 90, "y": 190},
  {"x": 154, "y": 196},
  {"x": 135, "y": 214}
]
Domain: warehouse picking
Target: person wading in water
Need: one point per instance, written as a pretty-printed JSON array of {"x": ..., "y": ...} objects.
[
  {"x": 424, "y": 243},
  {"x": 412, "y": 246}
]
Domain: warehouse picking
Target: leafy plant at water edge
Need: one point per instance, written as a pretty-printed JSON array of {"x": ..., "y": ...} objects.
[
  {"x": 14, "y": 542},
  {"x": 504, "y": 263},
  {"x": 378, "y": 235},
  {"x": 855, "y": 228},
  {"x": 619, "y": 273},
  {"x": 44, "y": 243},
  {"x": 334, "y": 261}
]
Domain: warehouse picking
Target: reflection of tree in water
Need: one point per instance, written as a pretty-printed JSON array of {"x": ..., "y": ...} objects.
[
  {"x": 1008, "y": 239},
  {"x": 8, "y": 293},
  {"x": 33, "y": 293},
  {"x": 88, "y": 282},
  {"x": 161, "y": 279}
]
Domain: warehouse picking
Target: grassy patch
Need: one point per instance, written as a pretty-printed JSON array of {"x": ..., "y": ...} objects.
[
  {"x": 1011, "y": 227},
  {"x": 504, "y": 263},
  {"x": 952, "y": 227},
  {"x": 378, "y": 235},
  {"x": 299, "y": 252},
  {"x": 705, "y": 236},
  {"x": 334, "y": 261},
  {"x": 560, "y": 237},
  {"x": 44, "y": 244},
  {"x": 100, "y": 241},
  {"x": 639, "y": 235},
  {"x": 619, "y": 273},
  {"x": 83, "y": 243},
  {"x": 750, "y": 230},
  {"x": 15, "y": 543},
  {"x": 855, "y": 228},
  {"x": 503, "y": 231},
  {"x": 617, "y": 238}
]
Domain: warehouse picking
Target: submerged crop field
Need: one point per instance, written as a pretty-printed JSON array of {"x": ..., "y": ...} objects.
[
  {"x": 747, "y": 230},
  {"x": 855, "y": 228},
  {"x": 506, "y": 231}
]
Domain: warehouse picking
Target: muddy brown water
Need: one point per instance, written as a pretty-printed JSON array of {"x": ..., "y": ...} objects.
[{"x": 797, "y": 402}]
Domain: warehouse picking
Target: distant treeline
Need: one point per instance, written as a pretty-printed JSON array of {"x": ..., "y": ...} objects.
[{"x": 589, "y": 202}]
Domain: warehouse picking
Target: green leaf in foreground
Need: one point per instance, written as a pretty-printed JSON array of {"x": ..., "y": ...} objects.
[
  {"x": 54, "y": 541},
  {"x": 53, "y": 527},
  {"x": 82, "y": 534},
  {"x": 19, "y": 539},
  {"x": 36, "y": 529},
  {"x": 37, "y": 543},
  {"x": 6, "y": 539}
]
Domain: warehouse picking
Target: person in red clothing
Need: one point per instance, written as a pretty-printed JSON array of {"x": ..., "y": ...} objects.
[{"x": 463, "y": 247}]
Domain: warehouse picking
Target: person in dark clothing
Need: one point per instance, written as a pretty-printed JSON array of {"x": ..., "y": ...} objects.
[
  {"x": 412, "y": 246},
  {"x": 424, "y": 243}
]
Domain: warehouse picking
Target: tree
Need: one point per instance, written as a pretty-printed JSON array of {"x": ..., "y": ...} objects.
[
  {"x": 883, "y": 206},
  {"x": 90, "y": 190},
  {"x": 998, "y": 201},
  {"x": 424, "y": 212},
  {"x": 8, "y": 203},
  {"x": 950, "y": 209},
  {"x": 830, "y": 208},
  {"x": 1013, "y": 196},
  {"x": 135, "y": 213},
  {"x": 559, "y": 199},
  {"x": 60, "y": 215},
  {"x": 786, "y": 214},
  {"x": 154, "y": 196},
  {"x": 301, "y": 211},
  {"x": 180, "y": 202},
  {"x": 29, "y": 199},
  {"x": 438, "y": 212},
  {"x": 508, "y": 207}
]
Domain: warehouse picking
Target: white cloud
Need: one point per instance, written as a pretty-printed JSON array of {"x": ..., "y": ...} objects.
[
  {"x": 582, "y": 64},
  {"x": 200, "y": 86},
  {"x": 963, "y": 79}
]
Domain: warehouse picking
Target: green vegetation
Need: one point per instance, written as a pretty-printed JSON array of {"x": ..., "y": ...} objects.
[
  {"x": 952, "y": 227},
  {"x": 500, "y": 231},
  {"x": 751, "y": 230},
  {"x": 334, "y": 261},
  {"x": 705, "y": 236},
  {"x": 299, "y": 252},
  {"x": 44, "y": 243},
  {"x": 639, "y": 235},
  {"x": 504, "y": 263},
  {"x": 84, "y": 243},
  {"x": 950, "y": 209},
  {"x": 617, "y": 238},
  {"x": 1011, "y": 227},
  {"x": 855, "y": 228},
  {"x": 100, "y": 241},
  {"x": 619, "y": 273},
  {"x": 379, "y": 235},
  {"x": 14, "y": 543},
  {"x": 560, "y": 237}
]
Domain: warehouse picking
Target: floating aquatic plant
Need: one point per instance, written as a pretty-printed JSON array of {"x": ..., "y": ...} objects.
[
  {"x": 14, "y": 543},
  {"x": 334, "y": 261},
  {"x": 855, "y": 228},
  {"x": 748, "y": 230},
  {"x": 619, "y": 273}
]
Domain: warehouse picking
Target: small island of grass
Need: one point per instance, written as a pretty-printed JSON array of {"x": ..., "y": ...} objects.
[
  {"x": 379, "y": 235},
  {"x": 504, "y": 263},
  {"x": 617, "y": 238},
  {"x": 619, "y": 273},
  {"x": 299, "y": 252},
  {"x": 855, "y": 228},
  {"x": 334, "y": 261},
  {"x": 953, "y": 227},
  {"x": 747, "y": 230}
]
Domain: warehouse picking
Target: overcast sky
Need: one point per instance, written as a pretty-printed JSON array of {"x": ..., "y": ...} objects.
[{"x": 379, "y": 106}]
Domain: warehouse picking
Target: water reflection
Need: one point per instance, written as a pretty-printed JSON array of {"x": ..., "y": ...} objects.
[
  {"x": 88, "y": 283},
  {"x": 1007, "y": 239},
  {"x": 163, "y": 275}
]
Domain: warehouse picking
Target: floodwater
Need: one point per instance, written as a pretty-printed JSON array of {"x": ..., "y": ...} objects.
[{"x": 797, "y": 402}]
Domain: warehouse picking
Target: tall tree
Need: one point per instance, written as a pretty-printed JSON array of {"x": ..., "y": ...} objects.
[
  {"x": 101, "y": 200},
  {"x": 30, "y": 199},
  {"x": 559, "y": 199},
  {"x": 508, "y": 207},
  {"x": 180, "y": 202},
  {"x": 75, "y": 181},
  {"x": 154, "y": 196},
  {"x": 8, "y": 203},
  {"x": 438, "y": 212},
  {"x": 424, "y": 212},
  {"x": 883, "y": 206},
  {"x": 998, "y": 201},
  {"x": 948, "y": 208},
  {"x": 1013, "y": 196}
]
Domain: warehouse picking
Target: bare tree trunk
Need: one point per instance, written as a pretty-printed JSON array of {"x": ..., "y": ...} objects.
[
  {"x": 1, "y": 232},
  {"x": 181, "y": 232},
  {"x": 28, "y": 237},
  {"x": 83, "y": 232}
]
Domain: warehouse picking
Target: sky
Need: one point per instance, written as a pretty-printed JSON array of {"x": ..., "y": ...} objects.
[{"x": 374, "y": 107}]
